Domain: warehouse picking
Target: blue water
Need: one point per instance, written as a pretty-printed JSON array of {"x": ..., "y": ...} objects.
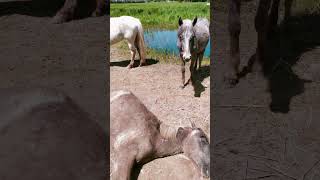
[{"x": 166, "y": 41}]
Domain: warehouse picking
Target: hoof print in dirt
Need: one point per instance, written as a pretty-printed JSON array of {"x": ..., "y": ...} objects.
[{"x": 231, "y": 82}]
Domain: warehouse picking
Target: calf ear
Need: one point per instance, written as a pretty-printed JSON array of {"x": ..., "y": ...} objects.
[
  {"x": 182, "y": 134},
  {"x": 180, "y": 21},
  {"x": 195, "y": 21}
]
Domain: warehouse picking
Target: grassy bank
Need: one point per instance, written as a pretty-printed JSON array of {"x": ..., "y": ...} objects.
[
  {"x": 162, "y": 57},
  {"x": 160, "y": 15}
]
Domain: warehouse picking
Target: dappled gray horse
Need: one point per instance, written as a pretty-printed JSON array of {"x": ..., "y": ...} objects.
[
  {"x": 138, "y": 137},
  {"x": 193, "y": 37},
  {"x": 45, "y": 135},
  {"x": 265, "y": 22}
]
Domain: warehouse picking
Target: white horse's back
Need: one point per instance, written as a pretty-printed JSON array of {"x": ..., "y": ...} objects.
[{"x": 123, "y": 27}]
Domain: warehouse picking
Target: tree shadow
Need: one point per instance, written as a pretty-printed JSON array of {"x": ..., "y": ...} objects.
[
  {"x": 45, "y": 8},
  {"x": 125, "y": 63},
  {"x": 202, "y": 73},
  {"x": 293, "y": 37}
]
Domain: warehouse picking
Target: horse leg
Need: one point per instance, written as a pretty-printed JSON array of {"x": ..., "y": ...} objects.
[
  {"x": 142, "y": 62},
  {"x": 140, "y": 48},
  {"x": 133, "y": 54},
  {"x": 101, "y": 8},
  {"x": 287, "y": 12},
  {"x": 195, "y": 64},
  {"x": 183, "y": 70},
  {"x": 192, "y": 67},
  {"x": 66, "y": 12},
  {"x": 261, "y": 22},
  {"x": 273, "y": 17},
  {"x": 234, "y": 31}
]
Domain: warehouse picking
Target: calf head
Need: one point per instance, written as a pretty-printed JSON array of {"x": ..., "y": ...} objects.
[
  {"x": 195, "y": 146},
  {"x": 186, "y": 38}
]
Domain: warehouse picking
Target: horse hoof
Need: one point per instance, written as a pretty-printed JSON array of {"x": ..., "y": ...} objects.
[
  {"x": 182, "y": 86},
  {"x": 130, "y": 66},
  {"x": 142, "y": 64},
  {"x": 58, "y": 19}
]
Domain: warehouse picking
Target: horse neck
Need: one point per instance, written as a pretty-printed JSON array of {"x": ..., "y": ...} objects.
[{"x": 167, "y": 143}]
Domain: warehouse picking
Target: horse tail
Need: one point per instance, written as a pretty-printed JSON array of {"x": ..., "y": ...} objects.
[{"x": 140, "y": 43}]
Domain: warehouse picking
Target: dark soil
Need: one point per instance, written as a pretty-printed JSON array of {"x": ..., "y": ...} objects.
[
  {"x": 68, "y": 57},
  {"x": 266, "y": 127}
]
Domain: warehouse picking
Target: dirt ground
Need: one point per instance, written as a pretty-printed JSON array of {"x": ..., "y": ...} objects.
[
  {"x": 251, "y": 139},
  {"x": 157, "y": 85},
  {"x": 69, "y": 57}
]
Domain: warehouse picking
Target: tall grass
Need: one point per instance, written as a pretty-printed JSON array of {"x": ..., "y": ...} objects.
[{"x": 160, "y": 15}]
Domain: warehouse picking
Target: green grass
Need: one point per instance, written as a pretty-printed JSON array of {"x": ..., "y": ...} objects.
[{"x": 160, "y": 15}]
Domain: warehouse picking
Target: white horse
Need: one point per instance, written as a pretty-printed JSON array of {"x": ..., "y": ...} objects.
[{"x": 129, "y": 28}]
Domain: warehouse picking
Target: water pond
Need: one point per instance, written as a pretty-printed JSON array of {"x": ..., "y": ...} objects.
[{"x": 166, "y": 41}]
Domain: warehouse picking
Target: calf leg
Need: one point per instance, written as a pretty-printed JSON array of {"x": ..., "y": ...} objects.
[
  {"x": 133, "y": 53},
  {"x": 261, "y": 28},
  {"x": 234, "y": 30},
  {"x": 66, "y": 12}
]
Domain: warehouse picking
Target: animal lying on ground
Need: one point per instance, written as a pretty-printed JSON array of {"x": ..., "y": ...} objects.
[
  {"x": 265, "y": 23},
  {"x": 45, "y": 135},
  {"x": 193, "y": 37},
  {"x": 130, "y": 29},
  {"x": 65, "y": 10},
  {"x": 138, "y": 137}
]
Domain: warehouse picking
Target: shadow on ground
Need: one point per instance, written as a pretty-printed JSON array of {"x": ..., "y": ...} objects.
[
  {"x": 45, "y": 8},
  {"x": 125, "y": 63},
  {"x": 285, "y": 46},
  {"x": 202, "y": 73}
]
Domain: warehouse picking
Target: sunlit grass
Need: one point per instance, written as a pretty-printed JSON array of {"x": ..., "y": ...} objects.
[{"x": 160, "y": 15}]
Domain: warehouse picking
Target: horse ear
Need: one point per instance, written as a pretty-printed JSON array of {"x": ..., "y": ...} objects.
[
  {"x": 180, "y": 21},
  {"x": 182, "y": 134},
  {"x": 195, "y": 21}
]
